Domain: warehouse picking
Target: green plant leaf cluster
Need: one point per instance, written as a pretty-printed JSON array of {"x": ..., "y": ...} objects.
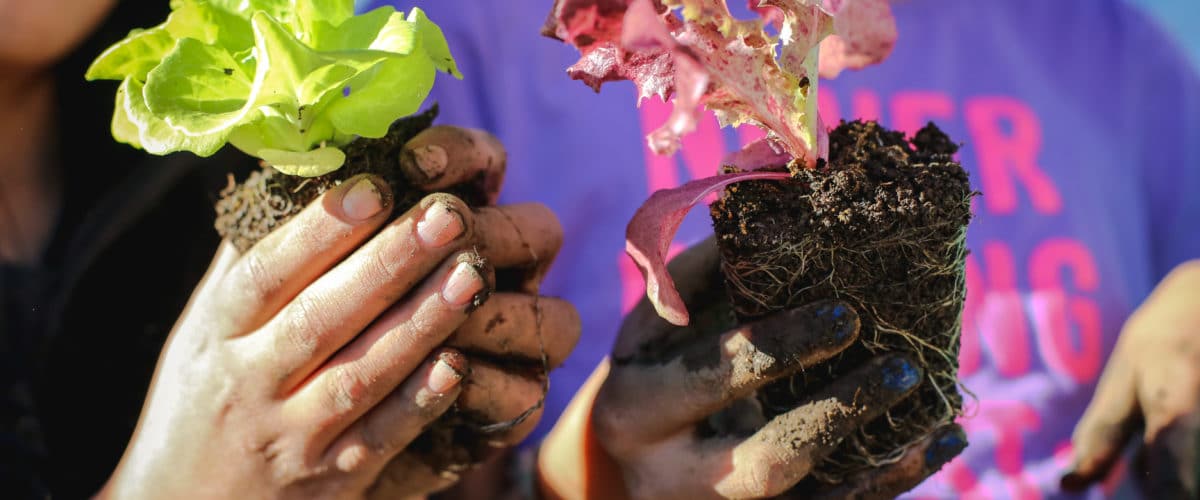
[{"x": 287, "y": 81}]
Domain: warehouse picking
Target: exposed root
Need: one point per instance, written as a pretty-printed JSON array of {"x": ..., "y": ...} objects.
[{"x": 882, "y": 228}]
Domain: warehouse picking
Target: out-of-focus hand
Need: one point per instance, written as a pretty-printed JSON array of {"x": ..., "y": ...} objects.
[
  {"x": 1151, "y": 381},
  {"x": 641, "y": 426}
]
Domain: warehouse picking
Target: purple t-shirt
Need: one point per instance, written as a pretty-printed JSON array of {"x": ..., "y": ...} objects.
[{"x": 1081, "y": 125}]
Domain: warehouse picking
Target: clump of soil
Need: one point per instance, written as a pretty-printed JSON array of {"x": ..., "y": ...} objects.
[
  {"x": 248, "y": 211},
  {"x": 882, "y": 226}
]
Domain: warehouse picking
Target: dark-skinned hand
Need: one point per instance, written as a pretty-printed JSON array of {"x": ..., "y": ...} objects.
[{"x": 642, "y": 425}]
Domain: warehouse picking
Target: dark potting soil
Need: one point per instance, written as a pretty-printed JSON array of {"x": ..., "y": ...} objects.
[
  {"x": 248, "y": 211},
  {"x": 882, "y": 226}
]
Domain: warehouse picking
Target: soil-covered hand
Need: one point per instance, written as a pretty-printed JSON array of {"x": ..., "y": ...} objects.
[
  {"x": 512, "y": 339},
  {"x": 307, "y": 365},
  {"x": 1151, "y": 382},
  {"x": 672, "y": 415}
]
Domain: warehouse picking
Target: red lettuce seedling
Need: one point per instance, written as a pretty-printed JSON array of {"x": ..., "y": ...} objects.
[{"x": 706, "y": 57}]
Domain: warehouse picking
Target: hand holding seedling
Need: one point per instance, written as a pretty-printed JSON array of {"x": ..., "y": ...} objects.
[
  {"x": 307, "y": 366},
  {"x": 1152, "y": 379},
  {"x": 670, "y": 419}
]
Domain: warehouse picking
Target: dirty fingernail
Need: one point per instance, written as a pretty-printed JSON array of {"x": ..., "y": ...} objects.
[
  {"x": 362, "y": 201},
  {"x": 439, "y": 226},
  {"x": 945, "y": 448},
  {"x": 443, "y": 377},
  {"x": 462, "y": 286},
  {"x": 843, "y": 321},
  {"x": 899, "y": 374},
  {"x": 429, "y": 161}
]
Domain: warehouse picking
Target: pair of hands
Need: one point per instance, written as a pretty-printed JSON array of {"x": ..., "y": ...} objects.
[{"x": 308, "y": 365}]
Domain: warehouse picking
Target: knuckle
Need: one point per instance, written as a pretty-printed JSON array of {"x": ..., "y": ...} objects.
[
  {"x": 306, "y": 324},
  {"x": 382, "y": 268},
  {"x": 374, "y": 442},
  {"x": 768, "y": 475},
  {"x": 606, "y": 426},
  {"x": 613, "y": 433},
  {"x": 346, "y": 391},
  {"x": 262, "y": 282}
]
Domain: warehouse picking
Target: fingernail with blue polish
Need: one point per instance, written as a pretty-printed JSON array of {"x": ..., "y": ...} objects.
[
  {"x": 844, "y": 322},
  {"x": 899, "y": 374},
  {"x": 945, "y": 448}
]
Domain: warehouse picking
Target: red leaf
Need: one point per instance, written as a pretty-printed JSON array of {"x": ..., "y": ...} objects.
[
  {"x": 649, "y": 234},
  {"x": 865, "y": 35},
  {"x": 726, "y": 64}
]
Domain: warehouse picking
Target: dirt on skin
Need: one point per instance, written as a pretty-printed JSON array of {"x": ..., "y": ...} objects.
[
  {"x": 881, "y": 226},
  {"x": 250, "y": 210}
]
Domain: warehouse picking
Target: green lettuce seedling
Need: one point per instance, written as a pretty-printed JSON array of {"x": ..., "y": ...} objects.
[{"x": 289, "y": 82}]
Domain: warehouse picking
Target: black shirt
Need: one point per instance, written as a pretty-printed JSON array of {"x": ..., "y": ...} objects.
[{"x": 80, "y": 333}]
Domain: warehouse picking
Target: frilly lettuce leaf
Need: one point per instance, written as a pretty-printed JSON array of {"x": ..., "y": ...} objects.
[
  {"x": 289, "y": 82},
  {"x": 705, "y": 56}
]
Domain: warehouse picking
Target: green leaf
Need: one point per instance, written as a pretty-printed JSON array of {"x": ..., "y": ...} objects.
[
  {"x": 134, "y": 56},
  {"x": 433, "y": 41},
  {"x": 310, "y": 13},
  {"x": 399, "y": 36},
  {"x": 278, "y": 9},
  {"x": 272, "y": 130},
  {"x": 269, "y": 76},
  {"x": 396, "y": 87},
  {"x": 123, "y": 128},
  {"x": 207, "y": 23},
  {"x": 319, "y": 161},
  {"x": 200, "y": 88},
  {"x": 355, "y": 33},
  {"x": 158, "y": 137}
]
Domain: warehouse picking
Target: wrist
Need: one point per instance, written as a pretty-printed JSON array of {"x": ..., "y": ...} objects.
[{"x": 571, "y": 462}]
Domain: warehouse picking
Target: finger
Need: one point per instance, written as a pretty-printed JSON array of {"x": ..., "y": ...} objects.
[
  {"x": 709, "y": 374},
  {"x": 443, "y": 156},
  {"x": 388, "y": 428},
  {"x": 889, "y": 481},
  {"x": 370, "y": 367},
  {"x": 784, "y": 451},
  {"x": 337, "y": 306},
  {"x": 1105, "y": 426},
  {"x": 523, "y": 237},
  {"x": 505, "y": 406},
  {"x": 520, "y": 327},
  {"x": 697, "y": 275},
  {"x": 275, "y": 269}
]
